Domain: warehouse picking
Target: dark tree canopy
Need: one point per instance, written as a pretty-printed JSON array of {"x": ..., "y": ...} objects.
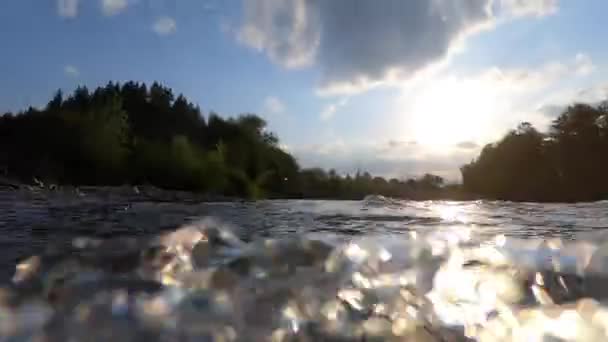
[
  {"x": 139, "y": 134},
  {"x": 568, "y": 163}
]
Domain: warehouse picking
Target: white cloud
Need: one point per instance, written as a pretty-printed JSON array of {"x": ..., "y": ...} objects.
[
  {"x": 593, "y": 94},
  {"x": 67, "y": 8},
  {"x": 273, "y": 105},
  {"x": 286, "y": 30},
  {"x": 537, "y": 8},
  {"x": 359, "y": 43},
  {"x": 113, "y": 7},
  {"x": 584, "y": 64},
  {"x": 384, "y": 158},
  {"x": 71, "y": 71},
  {"x": 449, "y": 108},
  {"x": 442, "y": 121},
  {"x": 330, "y": 110},
  {"x": 165, "y": 26},
  {"x": 467, "y": 145},
  {"x": 210, "y": 7}
]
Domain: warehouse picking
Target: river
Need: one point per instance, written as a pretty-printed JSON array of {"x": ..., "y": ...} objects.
[{"x": 30, "y": 221}]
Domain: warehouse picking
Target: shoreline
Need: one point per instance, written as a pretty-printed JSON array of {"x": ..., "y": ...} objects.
[{"x": 158, "y": 194}]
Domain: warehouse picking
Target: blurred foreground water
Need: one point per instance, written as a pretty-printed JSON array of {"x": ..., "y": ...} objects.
[{"x": 114, "y": 265}]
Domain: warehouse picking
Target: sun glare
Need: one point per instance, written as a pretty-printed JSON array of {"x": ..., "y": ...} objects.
[{"x": 451, "y": 111}]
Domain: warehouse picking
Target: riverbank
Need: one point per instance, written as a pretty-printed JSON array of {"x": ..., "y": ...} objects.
[
  {"x": 137, "y": 134},
  {"x": 153, "y": 193},
  {"x": 133, "y": 193},
  {"x": 157, "y": 194}
]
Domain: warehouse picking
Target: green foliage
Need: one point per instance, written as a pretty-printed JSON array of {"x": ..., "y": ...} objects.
[
  {"x": 103, "y": 137},
  {"x": 317, "y": 183},
  {"x": 566, "y": 164},
  {"x": 140, "y": 134},
  {"x": 133, "y": 133}
]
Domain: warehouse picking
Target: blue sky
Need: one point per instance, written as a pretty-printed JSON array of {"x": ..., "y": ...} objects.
[{"x": 395, "y": 87}]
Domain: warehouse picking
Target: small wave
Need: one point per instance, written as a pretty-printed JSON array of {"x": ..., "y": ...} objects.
[
  {"x": 378, "y": 201},
  {"x": 201, "y": 282},
  {"x": 372, "y": 217}
]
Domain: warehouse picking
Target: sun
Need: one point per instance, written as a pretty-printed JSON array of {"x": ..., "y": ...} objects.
[{"x": 451, "y": 111}]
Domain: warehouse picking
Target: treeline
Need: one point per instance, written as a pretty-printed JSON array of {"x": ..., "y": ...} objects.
[
  {"x": 135, "y": 134},
  {"x": 567, "y": 163},
  {"x": 321, "y": 184}
]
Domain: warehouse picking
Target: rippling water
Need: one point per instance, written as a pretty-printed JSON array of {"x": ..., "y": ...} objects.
[
  {"x": 373, "y": 270},
  {"x": 30, "y": 220}
]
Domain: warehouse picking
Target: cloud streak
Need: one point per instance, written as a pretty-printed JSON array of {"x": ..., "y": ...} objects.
[
  {"x": 467, "y": 145},
  {"x": 71, "y": 71},
  {"x": 273, "y": 105},
  {"x": 449, "y": 108},
  {"x": 330, "y": 110},
  {"x": 441, "y": 122},
  {"x": 67, "y": 8},
  {"x": 113, "y": 7},
  {"x": 402, "y": 161},
  {"x": 584, "y": 64},
  {"x": 165, "y": 26},
  {"x": 539, "y": 8}
]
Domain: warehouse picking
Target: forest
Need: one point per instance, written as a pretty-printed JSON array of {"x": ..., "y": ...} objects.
[
  {"x": 567, "y": 163},
  {"x": 138, "y": 134}
]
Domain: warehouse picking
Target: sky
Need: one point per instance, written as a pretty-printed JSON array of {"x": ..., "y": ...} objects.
[{"x": 394, "y": 87}]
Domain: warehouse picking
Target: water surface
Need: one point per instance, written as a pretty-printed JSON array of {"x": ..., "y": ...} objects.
[{"x": 29, "y": 220}]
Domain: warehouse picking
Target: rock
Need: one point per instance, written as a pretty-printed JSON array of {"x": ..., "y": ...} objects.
[{"x": 10, "y": 184}]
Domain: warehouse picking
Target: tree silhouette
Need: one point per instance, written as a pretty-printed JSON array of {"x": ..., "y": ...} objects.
[
  {"x": 132, "y": 133},
  {"x": 566, "y": 164}
]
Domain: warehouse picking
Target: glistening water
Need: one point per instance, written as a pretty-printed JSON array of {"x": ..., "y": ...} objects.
[{"x": 113, "y": 264}]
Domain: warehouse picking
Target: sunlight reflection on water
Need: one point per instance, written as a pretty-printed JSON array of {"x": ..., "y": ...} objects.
[
  {"x": 29, "y": 219},
  {"x": 498, "y": 270}
]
